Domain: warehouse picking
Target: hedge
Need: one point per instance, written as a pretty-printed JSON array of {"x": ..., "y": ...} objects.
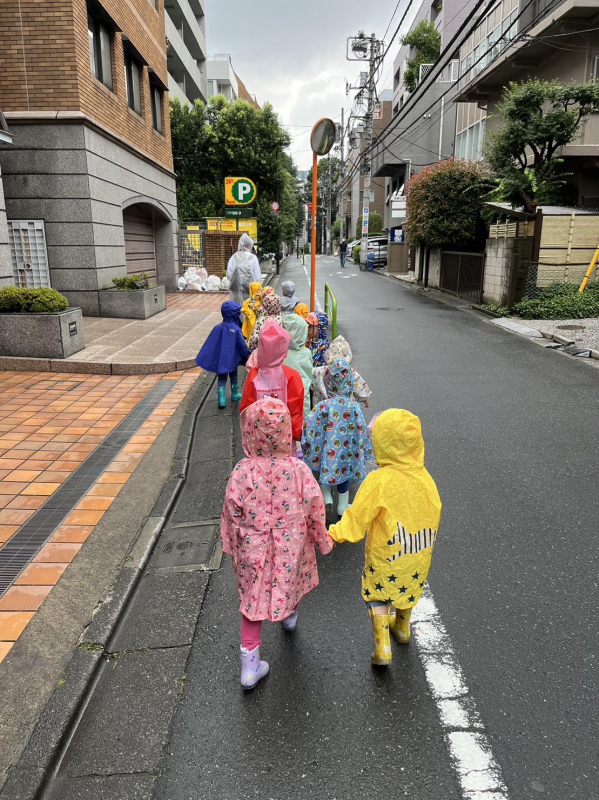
[
  {"x": 14, "y": 300},
  {"x": 561, "y": 301}
]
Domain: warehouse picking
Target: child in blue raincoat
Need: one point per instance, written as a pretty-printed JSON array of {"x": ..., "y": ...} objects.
[
  {"x": 224, "y": 350},
  {"x": 335, "y": 439}
]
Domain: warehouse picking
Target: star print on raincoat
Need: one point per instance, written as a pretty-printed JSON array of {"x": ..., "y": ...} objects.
[
  {"x": 335, "y": 439},
  {"x": 399, "y": 508}
]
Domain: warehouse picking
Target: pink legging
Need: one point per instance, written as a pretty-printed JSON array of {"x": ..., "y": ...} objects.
[{"x": 250, "y": 633}]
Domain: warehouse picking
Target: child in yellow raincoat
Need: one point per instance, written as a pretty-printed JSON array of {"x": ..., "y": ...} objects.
[
  {"x": 250, "y": 309},
  {"x": 398, "y": 507}
]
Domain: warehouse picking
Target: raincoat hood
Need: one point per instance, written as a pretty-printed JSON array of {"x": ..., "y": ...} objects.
[
  {"x": 302, "y": 310},
  {"x": 230, "y": 311},
  {"x": 397, "y": 440},
  {"x": 266, "y": 429},
  {"x": 245, "y": 243},
  {"x": 288, "y": 288},
  {"x": 255, "y": 289},
  {"x": 298, "y": 329},
  {"x": 271, "y": 304},
  {"x": 339, "y": 379},
  {"x": 339, "y": 348},
  {"x": 272, "y": 345}
]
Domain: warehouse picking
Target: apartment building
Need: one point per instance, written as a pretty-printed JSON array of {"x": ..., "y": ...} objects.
[
  {"x": 222, "y": 79},
  {"x": 355, "y": 195},
  {"x": 88, "y": 180},
  {"x": 428, "y": 111},
  {"x": 5, "y": 265},
  {"x": 185, "y": 26},
  {"x": 518, "y": 40}
]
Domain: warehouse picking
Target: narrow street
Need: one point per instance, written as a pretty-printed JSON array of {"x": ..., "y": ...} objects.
[{"x": 505, "y": 424}]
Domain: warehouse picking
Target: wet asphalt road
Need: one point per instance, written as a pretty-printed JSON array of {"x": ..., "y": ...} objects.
[{"x": 510, "y": 431}]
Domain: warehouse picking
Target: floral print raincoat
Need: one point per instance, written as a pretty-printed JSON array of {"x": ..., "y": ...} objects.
[
  {"x": 339, "y": 348},
  {"x": 272, "y": 518}
]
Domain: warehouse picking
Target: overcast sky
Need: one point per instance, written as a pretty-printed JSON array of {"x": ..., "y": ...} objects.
[{"x": 291, "y": 53}]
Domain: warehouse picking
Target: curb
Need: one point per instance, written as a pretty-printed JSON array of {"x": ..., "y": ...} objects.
[{"x": 27, "y": 778}]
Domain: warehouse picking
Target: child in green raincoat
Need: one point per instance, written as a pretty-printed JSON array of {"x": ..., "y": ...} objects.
[
  {"x": 299, "y": 357},
  {"x": 399, "y": 508}
]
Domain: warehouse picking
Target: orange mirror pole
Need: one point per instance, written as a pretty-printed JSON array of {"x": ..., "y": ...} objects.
[{"x": 313, "y": 242}]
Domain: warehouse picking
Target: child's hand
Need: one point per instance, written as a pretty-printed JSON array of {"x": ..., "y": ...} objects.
[{"x": 333, "y": 542}]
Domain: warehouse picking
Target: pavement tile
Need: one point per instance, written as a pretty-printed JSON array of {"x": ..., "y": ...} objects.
[
  {"x": 6, "y": 531},
  {"x": 12, "y": 624},
  {"x": 105, "y": 490},
  {"x": 24, "y": 598},
  {"x": 94, "y": 503},
  {"x": 57, "y": 553},
  {"x": 6, "y": 500},
  {"x": 40, "y": 575},
  {"x": 122, "y": 466},
  {"x": 5, "y": 649},
  {"x": 25, "y": 502},
  {"x": 83, "y": 518},
  {"x": 65, "y": 466},
  {"x": 12, "y": 488},
  {"x": 113, "y": 477},
  {"x": 23, "y": 475},
  {"x": 72, "y": 533},
  {"x": 51, "y": 476},
  {"x": 14, "y": 516},
  {"x": 41, "y": 488}
]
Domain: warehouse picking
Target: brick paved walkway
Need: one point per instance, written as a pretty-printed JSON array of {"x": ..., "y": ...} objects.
[{"x": 49, "y": 424}]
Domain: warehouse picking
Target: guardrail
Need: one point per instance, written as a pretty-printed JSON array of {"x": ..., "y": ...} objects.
[{"x": 330, "y": 308}]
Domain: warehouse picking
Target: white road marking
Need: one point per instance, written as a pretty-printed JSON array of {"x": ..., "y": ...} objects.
[
  {"x": 464, "y": 733},
  {"x": 318, "y": 305}
]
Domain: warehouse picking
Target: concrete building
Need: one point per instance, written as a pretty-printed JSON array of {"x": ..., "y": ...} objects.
[
  {"x": 502, "y": 55},
  {"x": 355, "y": 194},
  {"x": 222, "y": 78},
  {"x": 432, "y": 134},
  {"x": 5, "y": 265},
  {"x": 185, "y": 29},
  {"x": 88, "y": 180}
]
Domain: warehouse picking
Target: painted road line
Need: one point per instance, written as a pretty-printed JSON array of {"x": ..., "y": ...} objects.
[
  {"x": 318, "y": 305},
  {"x": 468, "y": 744}
]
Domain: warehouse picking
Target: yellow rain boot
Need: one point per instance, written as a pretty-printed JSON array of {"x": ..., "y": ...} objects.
[
  {"x": 400, "y": 625},
  {"x": 382, "y": 644}
]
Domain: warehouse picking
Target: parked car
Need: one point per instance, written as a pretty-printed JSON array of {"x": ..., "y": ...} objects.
[{"x": 378, "y": 246}]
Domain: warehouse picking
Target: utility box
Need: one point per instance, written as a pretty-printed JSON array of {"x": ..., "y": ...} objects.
[{"x": 397, "y": 257}]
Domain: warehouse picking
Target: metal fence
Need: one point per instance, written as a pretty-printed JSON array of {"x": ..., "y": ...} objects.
[
  {"x": 191, "y": 248},
  {"x": 462, "y": 274},
  {"x": 541, "y": 274}
]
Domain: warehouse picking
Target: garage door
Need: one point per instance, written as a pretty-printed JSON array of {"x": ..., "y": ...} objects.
[{"x": 139, "y": 242}]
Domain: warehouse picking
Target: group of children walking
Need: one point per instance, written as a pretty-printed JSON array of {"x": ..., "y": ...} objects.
[{"x": 304, "y": 434}]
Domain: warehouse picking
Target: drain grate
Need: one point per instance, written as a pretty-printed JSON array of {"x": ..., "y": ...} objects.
[
  {"x": 184, "y": 548},
  {"x": 26, "y": 543}
]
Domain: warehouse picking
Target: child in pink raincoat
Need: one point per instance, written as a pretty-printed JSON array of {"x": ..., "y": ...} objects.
[{"x": 272, "y": 517}]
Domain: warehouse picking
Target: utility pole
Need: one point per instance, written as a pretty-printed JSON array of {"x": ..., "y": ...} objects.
[
  {"x": 329, "y": 209},
  {"x": 364, "y": 47},
  {"x": 341, "y": 180}
]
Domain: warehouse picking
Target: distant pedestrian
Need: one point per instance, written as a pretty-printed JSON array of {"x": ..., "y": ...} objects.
[
  {"x": 398, "y": 509},
  {"x": 335, "y": 439},
  {"x": 272, "y": 518},
  {"x": 224, "y": 350},
  {"x": 243, "y": 268},
  {"x": 343, "y": 252},
  {"x": 289, "y": 301}
]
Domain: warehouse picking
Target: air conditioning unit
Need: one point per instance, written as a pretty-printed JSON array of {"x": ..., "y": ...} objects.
[{"x": 423, "y": 71}]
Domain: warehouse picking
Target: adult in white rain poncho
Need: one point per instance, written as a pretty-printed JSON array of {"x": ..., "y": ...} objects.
[{"x": 243, "y": 268}]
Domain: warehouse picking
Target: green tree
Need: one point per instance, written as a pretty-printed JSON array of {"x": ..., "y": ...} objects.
[
  {"x": 444, "y": 203},
  {"x": 213, "y": 141},
  {"x": 538, "y": 118},
  {"x": 375, "y": 225},
  {"x": 426, "y": 41}
]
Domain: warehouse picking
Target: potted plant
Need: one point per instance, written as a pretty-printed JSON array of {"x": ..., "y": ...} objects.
[
  {"x": 37, "y": 323},
  {"x": 132, "y": 298}
]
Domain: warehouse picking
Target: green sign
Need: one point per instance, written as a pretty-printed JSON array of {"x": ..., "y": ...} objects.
[{"x": 239, "y": 213}]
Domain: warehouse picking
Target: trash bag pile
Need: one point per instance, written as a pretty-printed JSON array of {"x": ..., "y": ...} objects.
[{"x": 196, "y": 279}]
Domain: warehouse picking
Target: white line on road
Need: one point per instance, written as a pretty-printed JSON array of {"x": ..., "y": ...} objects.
[
  {"x": 464, "y": 733},
  {"x": 318, "y": 306}
]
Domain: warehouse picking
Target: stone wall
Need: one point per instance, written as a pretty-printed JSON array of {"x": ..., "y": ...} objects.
[
  {"x": 434, "y": 267},
  {"x": 79, "y": 182},
  {"x": 5, "y": 262},
  {"x": 500, "y": 255}
]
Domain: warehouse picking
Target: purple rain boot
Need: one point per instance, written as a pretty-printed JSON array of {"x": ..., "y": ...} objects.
[
  {"x": 252, "y": 669},
  {"x": 290, "y": 622}
]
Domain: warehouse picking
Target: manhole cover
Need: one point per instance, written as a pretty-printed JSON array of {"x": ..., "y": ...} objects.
[
  {"x": 571, "y": 327},
  {"x": 183, "y": 548},
  {"x": 388, "y": 309}
]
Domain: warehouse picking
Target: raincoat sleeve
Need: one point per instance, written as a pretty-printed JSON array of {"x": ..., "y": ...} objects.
[
  {"x": 315, "y": 511},
  {"x": 231, "y": 268},
  {"x": 249, "y": 390},
  {"x": 229, "y": 529},
  {"x": 295, "y": 401},
  {"x": 354, "y": 524},
  {"x": 362, "y": 390}
]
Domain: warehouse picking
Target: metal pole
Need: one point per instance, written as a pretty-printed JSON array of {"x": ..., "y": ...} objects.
[
  {"x": 329, "y": 211},
  {"x": 313, "y": 244},
  {"x": 341, "y": 179},
  {"x": 367, "y": 168}
]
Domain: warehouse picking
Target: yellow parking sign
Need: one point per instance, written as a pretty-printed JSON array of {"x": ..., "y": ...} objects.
[{"x": 239, "y": 191}]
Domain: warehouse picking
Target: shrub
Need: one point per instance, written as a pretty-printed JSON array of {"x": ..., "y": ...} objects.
[
  {"x": 497, "y": 308},
  {"x": 14, "y": 300},
  {"x": 356, "y": 254},
  {"x": 561, "y": 301},
  {"x": 132, "y": 282},
  {"x": 444, "y": 203},
  {"x": 375, "y": 225}
]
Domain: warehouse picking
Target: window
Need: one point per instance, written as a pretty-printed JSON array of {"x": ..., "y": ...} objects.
[
  {"x": 132, "y": 83},
  {"x": 156, "y": 97},
  {"x": 99, "y": 51}
]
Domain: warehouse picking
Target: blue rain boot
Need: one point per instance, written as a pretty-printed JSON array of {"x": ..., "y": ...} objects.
[
  {"x": 235, "y": 393},
  {"x": 222, "y": 397}
]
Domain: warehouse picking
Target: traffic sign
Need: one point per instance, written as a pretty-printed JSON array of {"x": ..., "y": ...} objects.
[
  {"x": 239, "y": 213},
  {"x": 275, "y": 207},
  {"x": 239, "y": 191}
]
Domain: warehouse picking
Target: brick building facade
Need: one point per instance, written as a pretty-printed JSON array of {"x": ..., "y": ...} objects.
[{"x": 83, "y": 86}]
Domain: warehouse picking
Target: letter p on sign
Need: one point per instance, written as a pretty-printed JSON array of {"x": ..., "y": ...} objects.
[{"x": 239, "y": 191}]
